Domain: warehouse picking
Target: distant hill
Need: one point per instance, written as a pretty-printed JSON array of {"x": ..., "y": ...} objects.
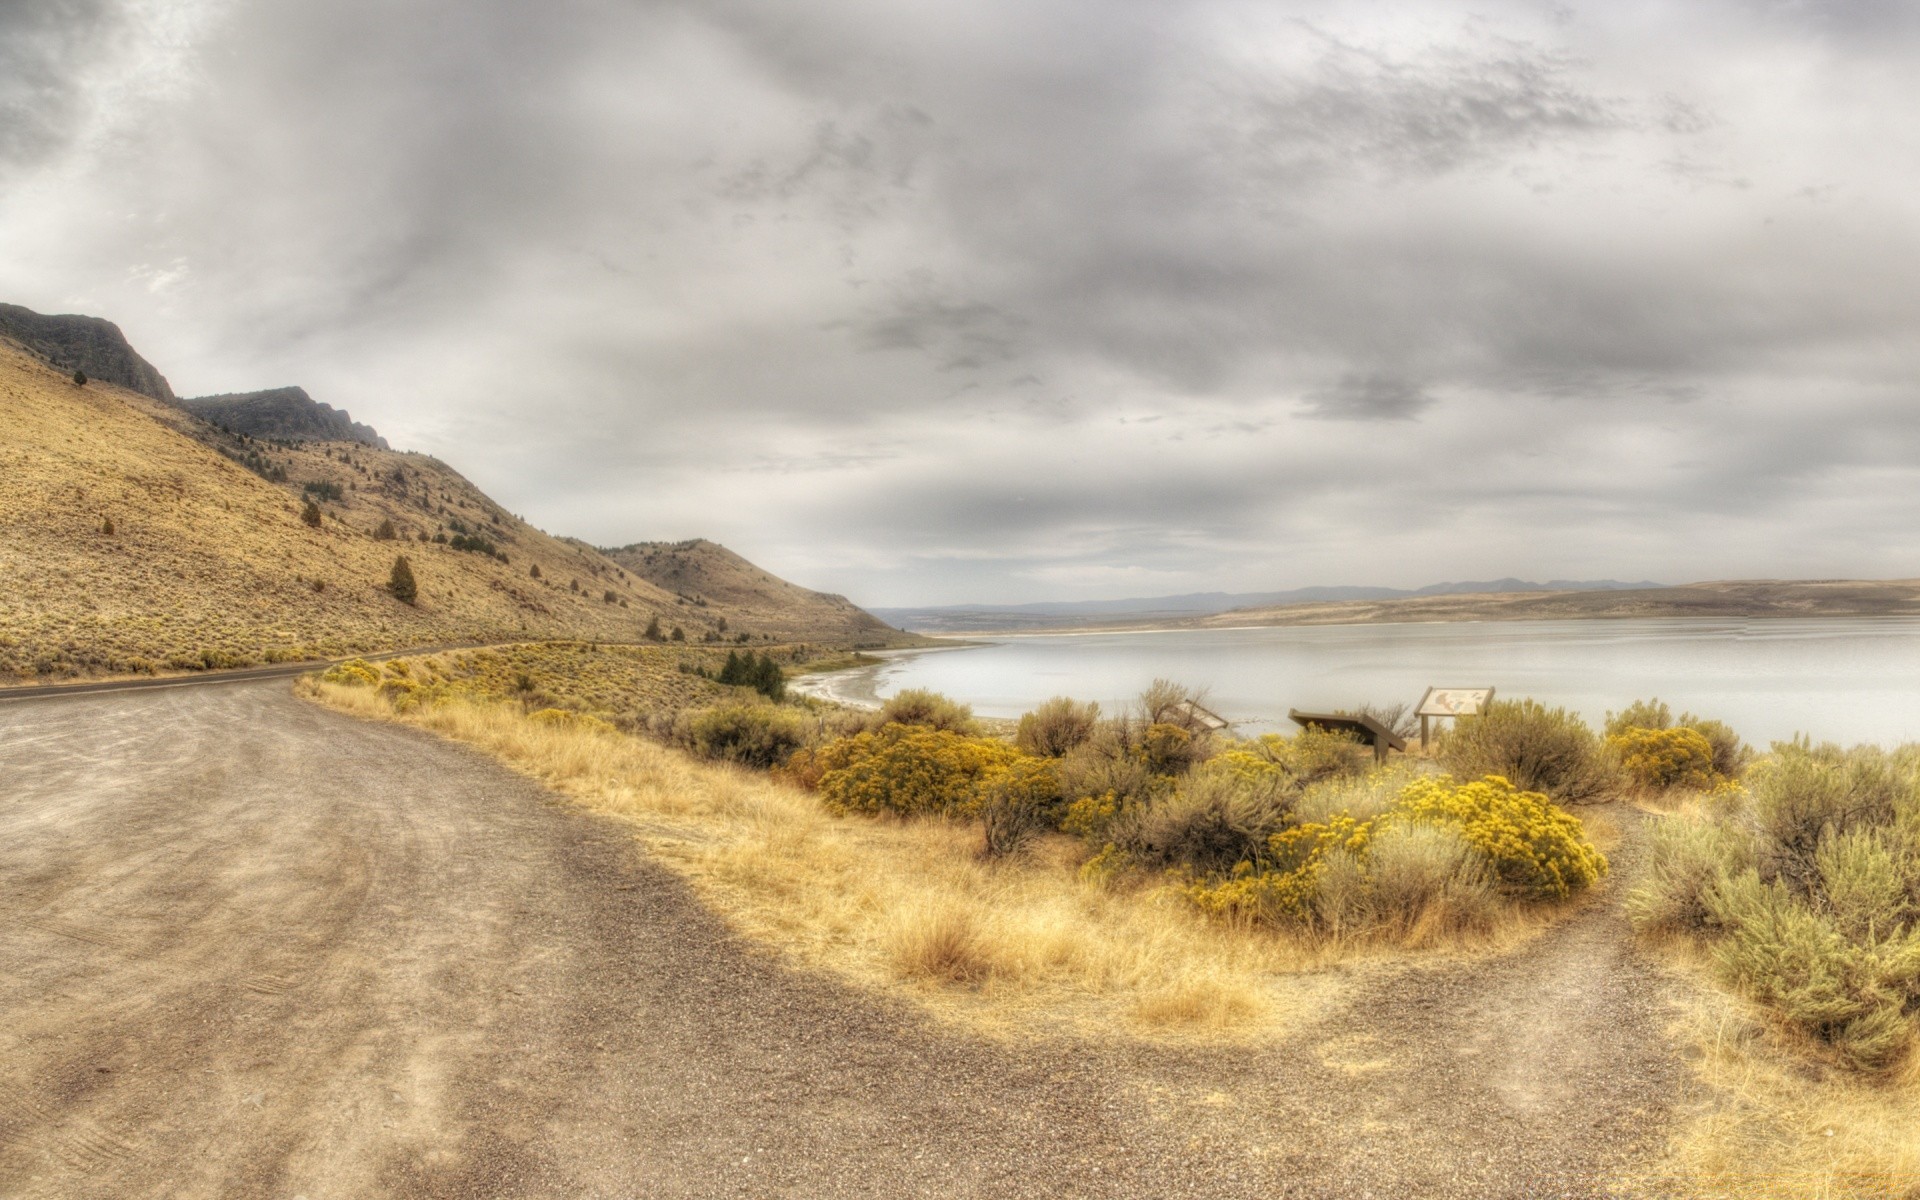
[
  {"x": 283, "y": 414},
  {"x": 1079, "y": 613},
  {"x": 707, "y": 575},
  {"x": 1726, "y": 599},
  {"x": 135, "y": 536},
  {"x": 73, "y": 343}
]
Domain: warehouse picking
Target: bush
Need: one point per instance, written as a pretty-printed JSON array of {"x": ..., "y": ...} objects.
[
  {"x": 323, "y": 490},
  {"x": 754, "y": 735},
  {"x": 1641, "y": 714},
  {"x": 1214, "y": 822},
  {"x": 310, "y": 513},
  {"x": 1538, "y": 749},
  {"x": 1419, "y": 877},
  {"x": 1730, "y": 754},
  {"x": 1534, "y": 849},
  {"x": 385, "y": 532},
  {"x": 1017, "y": 804},
  {"x": 1806, "y": 889},
  {"x": 1664, "y": 758},
  {"x": 1315, "y": 754},
  {"x": 1686, "y": 860},
  {"x": 918, "y": 706},
  {"x": 1056, "y": 727},
  {"x": 910, "y": 770},
  {"x": 400, "y": 581},
  {"x": 355, "y": 672}
]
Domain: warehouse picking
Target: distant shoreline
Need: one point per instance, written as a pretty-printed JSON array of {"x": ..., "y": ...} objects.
[{"x": 1731, "y": 600}]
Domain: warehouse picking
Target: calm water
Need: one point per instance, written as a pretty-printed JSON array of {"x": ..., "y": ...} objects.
[{"x": 1837, "y": 679}]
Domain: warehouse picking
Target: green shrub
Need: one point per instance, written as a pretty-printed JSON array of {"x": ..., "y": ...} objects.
[
  {"x": 1730, "y": 754},
  {"x": 401, "y": 583},
  {"x": 1056, "y": 727},
  {"x": 1686, "y": 860},
  {"x": 1538, "y": 749},
  {"x": 918, "y": 706},
  {"x": 385, "y": 532},
  {"x": 1806, "y": 888},
  {"x": 754, "y": 735},
  {"x": 1856, "y": 994},
  {"x": 1534, "y": 849},
  {"x": 310, "y": 513},
  {"x": 1664, "y": 758},
  {"x": 1641, "y": 714},
  {"x": 910, "y": 770},
  {"x": 1215, "y": 821}
]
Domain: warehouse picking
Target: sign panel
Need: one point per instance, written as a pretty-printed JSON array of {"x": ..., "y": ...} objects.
[{"x": 1454, "y": 702}]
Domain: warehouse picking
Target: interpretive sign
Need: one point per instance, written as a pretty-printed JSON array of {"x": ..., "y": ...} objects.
[
  {"x": 1368, "y": 730},
  {"x": 1451, "y": 702}
]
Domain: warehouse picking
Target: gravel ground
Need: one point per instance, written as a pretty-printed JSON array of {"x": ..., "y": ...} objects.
[{"x": 253, "y": 948}]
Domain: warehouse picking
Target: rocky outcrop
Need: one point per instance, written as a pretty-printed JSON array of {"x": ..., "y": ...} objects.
[
  {"x": 88, "y": 344},
  {"x": 286, "y": 414}
]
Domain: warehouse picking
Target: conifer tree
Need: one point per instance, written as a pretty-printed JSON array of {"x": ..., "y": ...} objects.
[{"x": 401, "y": 582}]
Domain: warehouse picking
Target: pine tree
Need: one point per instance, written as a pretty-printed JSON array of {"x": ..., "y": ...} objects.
[
  {"x": 401, "y": 583},
  {"x": 311, "y": 514},
  {"x": 385, "y": 532},
  {"x": 653, "y": 633},
  {"x": 79, "y": 379}
]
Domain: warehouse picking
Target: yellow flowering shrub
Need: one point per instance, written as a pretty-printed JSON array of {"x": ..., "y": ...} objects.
[
  {"x": 1678, "y": 756},
  {"x": 1286, "y": 887},
  {"x": 1535, "y": 849},
  {"x": 355, "y": 672},
  {"x": 910, "y": 769}
]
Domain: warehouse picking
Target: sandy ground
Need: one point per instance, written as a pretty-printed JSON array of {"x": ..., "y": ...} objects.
[{"x": 253, "y": 948}]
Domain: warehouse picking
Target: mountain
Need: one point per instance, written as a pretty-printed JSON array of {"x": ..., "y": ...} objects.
[
  {"x": 285, "y": 414},
  {"x": 135, "y": 536},
  {"x": 708, "y": 575},
  {"x": 1075, "y": 613},
  {"x": 73, "y": 343}
]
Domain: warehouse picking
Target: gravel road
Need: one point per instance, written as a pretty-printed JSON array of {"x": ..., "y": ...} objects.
[{"x": 253, "y": 948}]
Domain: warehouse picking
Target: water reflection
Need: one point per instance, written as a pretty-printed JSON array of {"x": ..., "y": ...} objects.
[{"x": 1840, "y": 679}]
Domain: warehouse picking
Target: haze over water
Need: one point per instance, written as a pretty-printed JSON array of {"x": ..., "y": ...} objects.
[{"x": 1845, "y": 680}]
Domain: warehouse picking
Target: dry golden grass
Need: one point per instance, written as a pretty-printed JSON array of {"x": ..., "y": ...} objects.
[
  {"x": 209, "y": 564},
  {"x": 1779, "y": 1125},
  {"x": 1013, "y": 947}
]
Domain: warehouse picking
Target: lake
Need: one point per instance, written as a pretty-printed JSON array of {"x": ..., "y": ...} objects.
[{"x": 1839, "y": 679}]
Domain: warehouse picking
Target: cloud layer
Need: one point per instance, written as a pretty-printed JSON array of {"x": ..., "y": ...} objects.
[{"x": 996, "y": 301}]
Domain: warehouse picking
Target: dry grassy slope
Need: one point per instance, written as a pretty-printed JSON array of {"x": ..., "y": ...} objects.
[
  {"x": 704, "y": 572},
  {"x": 209, "y": 561}
]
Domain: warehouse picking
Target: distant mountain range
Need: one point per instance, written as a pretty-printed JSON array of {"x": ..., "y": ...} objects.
[{"x": 1063, "y": 614}]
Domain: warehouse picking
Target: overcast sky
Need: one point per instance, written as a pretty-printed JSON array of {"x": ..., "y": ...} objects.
[{"x": 996, "y": 300}]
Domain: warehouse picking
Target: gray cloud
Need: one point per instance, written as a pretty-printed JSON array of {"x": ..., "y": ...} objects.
[
  {"x": 1367, "y": 398},
  {"x": 996, "y": 299}
]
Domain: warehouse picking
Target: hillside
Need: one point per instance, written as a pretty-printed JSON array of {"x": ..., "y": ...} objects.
[
  {"x": 714, "y": 578},
  {"x": 135, "y": 536},
  {"x": 72, "y": 343},
  {"x": 1758, "y": 598},
  {"x": 1155, "y": 610},
  {"x": 284, "y": 414}
]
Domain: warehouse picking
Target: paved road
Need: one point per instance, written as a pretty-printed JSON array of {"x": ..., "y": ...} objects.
[{"x": 253, "y": 948}]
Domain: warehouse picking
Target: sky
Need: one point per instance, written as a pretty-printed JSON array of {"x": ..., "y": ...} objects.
[{"x": 944, "y": 301}]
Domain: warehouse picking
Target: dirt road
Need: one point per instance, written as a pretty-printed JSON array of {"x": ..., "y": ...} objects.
[{"x": 252, "y": 948}]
